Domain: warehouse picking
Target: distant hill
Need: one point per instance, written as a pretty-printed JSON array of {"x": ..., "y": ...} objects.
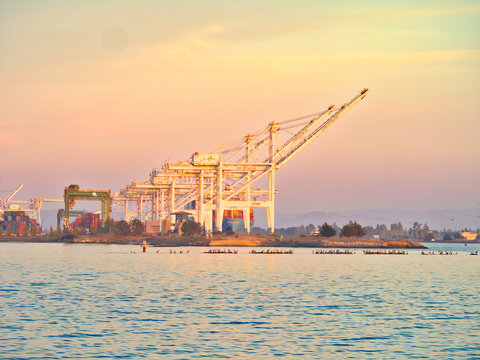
[{"x": 454, "y": 219}]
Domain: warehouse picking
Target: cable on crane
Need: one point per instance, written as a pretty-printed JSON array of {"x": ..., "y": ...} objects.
[{"x": 303, "y": 117}]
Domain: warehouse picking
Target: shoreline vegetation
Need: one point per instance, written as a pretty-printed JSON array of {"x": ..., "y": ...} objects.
[{"x": 223, "y": 240}]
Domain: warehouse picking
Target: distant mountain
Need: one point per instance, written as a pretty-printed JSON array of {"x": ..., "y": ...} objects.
[{"x": 454, "y": 219}]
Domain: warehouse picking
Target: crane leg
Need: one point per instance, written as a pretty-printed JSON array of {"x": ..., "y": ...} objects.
[{"x": 271, "y": 218}]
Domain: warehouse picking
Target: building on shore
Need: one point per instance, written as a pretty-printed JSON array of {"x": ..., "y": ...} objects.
[{"x": 469, "y": 236}]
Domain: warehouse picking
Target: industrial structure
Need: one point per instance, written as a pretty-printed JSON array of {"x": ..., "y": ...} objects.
[
  {"x": 219, "y": 188},
  {"x": 234, "y": 177},
  {"x": 72, "y": 213},
  {"x": 31, "y": 207},
  {"x": 73, "y": 192}
]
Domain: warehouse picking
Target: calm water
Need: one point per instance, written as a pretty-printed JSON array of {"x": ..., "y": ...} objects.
[{"x": 104, "y": 302}]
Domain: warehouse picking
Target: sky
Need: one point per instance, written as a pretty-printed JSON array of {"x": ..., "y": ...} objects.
[{"x": 98, "y": 93}]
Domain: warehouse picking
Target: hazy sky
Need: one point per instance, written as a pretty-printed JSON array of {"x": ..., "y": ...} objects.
[{"x": 98, "y": 93}]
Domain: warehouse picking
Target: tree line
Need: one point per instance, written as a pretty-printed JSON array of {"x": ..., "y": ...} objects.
[
  {"x": 124, "y": 228},
  {"x": 352, "y": 229}
]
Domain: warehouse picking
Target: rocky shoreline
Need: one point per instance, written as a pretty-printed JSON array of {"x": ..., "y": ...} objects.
[{"x": 222, "y": 240}]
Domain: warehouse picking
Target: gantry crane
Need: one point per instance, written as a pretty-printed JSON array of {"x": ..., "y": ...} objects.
[
  {"x": 4, "y": 204},
  {"x": 222, "y": 179},
  {"x": 73, "y": 192},
  {"x": 32, "y": 207}
]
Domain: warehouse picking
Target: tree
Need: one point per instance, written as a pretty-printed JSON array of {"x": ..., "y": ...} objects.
[
  {"x": 382, "y": 231},
  {"x": 136, "y": 227},
  {"x": 108, "y": 225},
  {"x": 429, "y": 237},
  {"x": 352, "y": 229},
  {"x": 191, "y": 228},
  {"x": 327, "y": 230},
  {"x": 121, "y": 228},
  {"x": 301, "y": 230},
  {"x": 447, "y": 237}
]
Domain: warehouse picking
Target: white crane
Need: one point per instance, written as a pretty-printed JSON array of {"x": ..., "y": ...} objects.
[
  {"x": 32, "y": 206},
  {"x": 4, "y": 204},
  {"x": 223, "y": 178}
]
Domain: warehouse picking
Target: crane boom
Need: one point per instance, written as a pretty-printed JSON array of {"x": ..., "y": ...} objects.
[
  {"x": 313, "y": 135},
  {"x": 277, "y": 164},
  {"x": 305, "y": 129},
  {"x": 13, "y": 193}
]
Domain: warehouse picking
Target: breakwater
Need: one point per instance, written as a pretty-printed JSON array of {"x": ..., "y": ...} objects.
[{"x": 224, "y": 241}]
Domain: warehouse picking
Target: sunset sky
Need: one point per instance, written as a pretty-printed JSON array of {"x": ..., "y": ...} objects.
[{"x": 97, "y": 93}]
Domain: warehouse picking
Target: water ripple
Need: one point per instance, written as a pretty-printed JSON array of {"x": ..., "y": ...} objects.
[{"x": 102, "y": 302}]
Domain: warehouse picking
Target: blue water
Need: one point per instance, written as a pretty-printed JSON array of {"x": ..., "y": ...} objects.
[{"x": 105, "y": 302}]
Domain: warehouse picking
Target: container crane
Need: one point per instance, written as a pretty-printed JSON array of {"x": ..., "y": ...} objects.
[
  {"x": 222, "y": 179},
  {"x": 32, "y": 207},
  {"x": 73, "y": 192},
  {"x": 5, "y": 203}
]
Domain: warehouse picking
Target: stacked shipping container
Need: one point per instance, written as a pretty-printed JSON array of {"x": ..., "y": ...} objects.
[
  {"x": 87, "y": 222},
  {"x": 15, "y": 221}
]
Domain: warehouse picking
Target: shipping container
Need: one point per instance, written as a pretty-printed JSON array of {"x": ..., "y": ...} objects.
[{"x": 237, "y": 214}]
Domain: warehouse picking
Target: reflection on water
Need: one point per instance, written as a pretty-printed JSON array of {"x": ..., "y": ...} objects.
[{"x": 102, "y": 301}]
